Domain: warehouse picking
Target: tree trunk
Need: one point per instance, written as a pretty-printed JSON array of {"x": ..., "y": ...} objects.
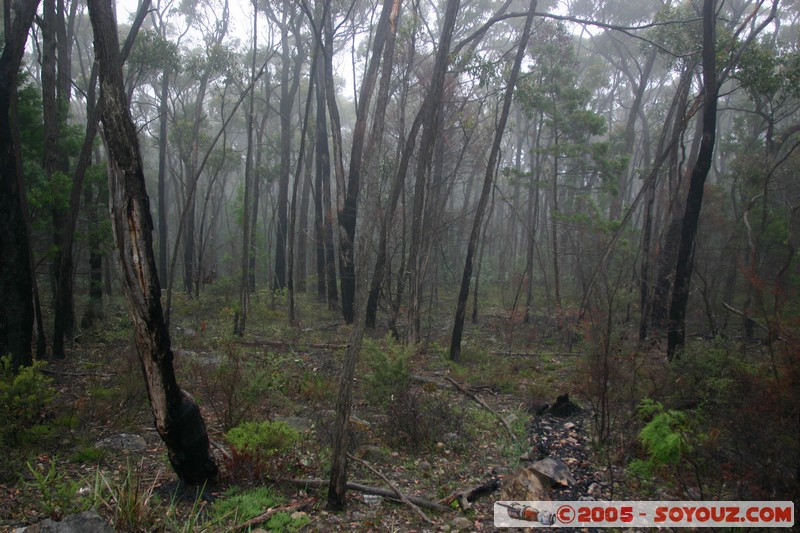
[
  {"x": 676, "y": 336},
  {"x": 177, "y": 417},
  {"x": 163, "y": 232},
  {"x": 16, "y": 268},
  {"x": 418, "y": 260},
  {"x": 488, "y": 181},
  {"x": 349, "y": 211}
]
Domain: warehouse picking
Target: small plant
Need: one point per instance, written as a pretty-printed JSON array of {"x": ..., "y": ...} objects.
[
  {"x": 389, "y": 375},
  {"x": 59, "y": 495},
  {"x": 261, "y": 449},
  {"x": 669, "y": 439},
  {"x": 132, "y": 501},
  {"x": 24, "y": 399},
  {"x": 418, "y": 420},
  {"x": 237, "y": 506}
]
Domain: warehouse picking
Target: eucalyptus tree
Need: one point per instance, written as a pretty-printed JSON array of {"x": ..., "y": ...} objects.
[
  {"x": 16, "y": 268},
  {"x": 177, "y": 418}
]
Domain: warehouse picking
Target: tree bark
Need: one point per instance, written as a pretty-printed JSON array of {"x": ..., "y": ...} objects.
[
  {"x": 418, "y": 260},
  {"x": 676, "y": 336},
  {"x": 177, "y": 417},
  {"x": 488, "y": 181},
  {"x": 16, "y": 268}
]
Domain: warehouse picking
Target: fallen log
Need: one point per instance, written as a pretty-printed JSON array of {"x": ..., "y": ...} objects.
[
  {"x": 466, "y": 497},
  {"x": 366, "y": 489}
]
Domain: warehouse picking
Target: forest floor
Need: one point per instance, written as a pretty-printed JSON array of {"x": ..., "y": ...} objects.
[{"x": 410, "y": 423}]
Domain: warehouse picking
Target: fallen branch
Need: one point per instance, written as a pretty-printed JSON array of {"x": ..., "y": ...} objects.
[
  {"x": 392, "y": 486},
  {"x": 291, "y": 345},
  {"x": 756, "y": 322},
  {"x": 365, "y": 489},
  {"x": 269, "y": 513},
  {"x": 466, "y": 497},
  {"x": 534, "y": 354},
  {"x": 477, "y": 399}
]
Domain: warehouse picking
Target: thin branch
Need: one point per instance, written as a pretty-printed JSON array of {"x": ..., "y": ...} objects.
[{"x": 392, "y": 486}]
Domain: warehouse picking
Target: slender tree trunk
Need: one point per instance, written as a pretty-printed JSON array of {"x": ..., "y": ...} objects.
[
  {"x": 163, "y": 201},
  {"x": 676, "y": 336},
  {"x": 418, "y": 257},
  {"x": 488, "y": 181},
  {"x": 286, "y": 104},
  {"x": 240, "y": 318},
  {"x": 349, "y": 211},
  {"x": 16, "y": 268},
  {"x": 178, "y": 419}
]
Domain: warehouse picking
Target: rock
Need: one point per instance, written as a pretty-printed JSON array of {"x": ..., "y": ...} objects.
[
  {"x": 595, "y": 490},
  {"x": 85, "y": 522},
  {"x": 556, "y": 471},
  {"x": 424, "y": 466},
  {"x": 524, "y": 484},
  {"x": 371, "y": 453},
  {"x": 569, "y": 425},
  {"x": 461, "y": 522},
  {"x": 298, "y": 515},
  {"x": 298, "y": 423},
  {"x": 563, "y": 407},
  {"x": 123, "y": 441}
]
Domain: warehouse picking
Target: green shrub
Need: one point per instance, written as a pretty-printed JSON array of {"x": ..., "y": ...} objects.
[
  {"x": 261, "y": 450},
  {"x": 59, "y": 495},
  {"x": 238, "y": 506},
  {"x": 24, "y": 399},
  {"x": 389, "y": 375},
  {"x": 262, "y": 438}
]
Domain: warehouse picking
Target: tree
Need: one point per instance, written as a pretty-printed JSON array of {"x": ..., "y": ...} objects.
[
  {"x": 177, "y": 417},
  {"x": 16, "y": 289},
  {"x": 488, "y": 180}
]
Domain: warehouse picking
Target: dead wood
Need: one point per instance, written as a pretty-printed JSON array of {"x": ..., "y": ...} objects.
[
  {"x": 292, "y": 345},
  {"x": 269, "y": 513},
  {"x": 466, "y": 497},
  {"x": 366, "y": 489},
  {"x": 392, "y": 486},
  {"x": 477, "y": 399}
]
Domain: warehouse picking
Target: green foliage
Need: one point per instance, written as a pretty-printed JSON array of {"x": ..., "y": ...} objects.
[
  {"x": 236, "y": 385},
  {"x": 262, "y": 439},
  {"x": 237, "y": 506},
  {"x": 132, "y": 500},
  {"x": 664, "y": 437},
  {"x": 24, "y": 399},
  {"x": 59, "y": 495},
  {"x": 389, "y": 375}
]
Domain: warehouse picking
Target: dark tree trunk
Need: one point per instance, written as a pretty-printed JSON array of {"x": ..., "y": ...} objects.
[
  {"x": 488, "y": 181},
  {"x": 349, "y": 211},
  {"x": 432, "y": 109},
  {"x": 676, "y": 336},
  {"x": 16, "y": 268},
  {"x": 288, "y": 94},
  {"x": 177, "y": 417}
]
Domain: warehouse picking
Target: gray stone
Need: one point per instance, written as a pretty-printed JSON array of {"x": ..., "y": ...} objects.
[
  {"x": 85, "y": 522},
  {"x": 371, "y": 453},
  {"x": 461, "y": 522},
  {"x": 555, "y": 470},
  {"x": 123, "y": 441},
  {"x": 298, "y": 423}
]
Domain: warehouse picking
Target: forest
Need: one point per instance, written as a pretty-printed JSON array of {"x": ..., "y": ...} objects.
[{"x": 337, "y": 265}]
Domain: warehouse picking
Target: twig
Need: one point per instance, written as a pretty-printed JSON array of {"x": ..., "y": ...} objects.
[
  {"x": 483, "y": 404},
  {"x": 266, "y": 515},
  {"x": 393, "y": 487},
  {"x": 76, "y": 374},
  {"x": 366, "y": 489}
]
